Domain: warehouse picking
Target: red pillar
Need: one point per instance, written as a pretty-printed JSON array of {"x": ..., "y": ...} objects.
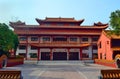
[
  {"x": 68, "y": 54},
  {"x": 26, "y": 47},
  {"x": 80, "y": 53},
  {"x": 26, "y": 51},
  {"x": 39, "y": 39},
  {"x": 51, "y": 54},
  {"x": 38, "y": 54}
]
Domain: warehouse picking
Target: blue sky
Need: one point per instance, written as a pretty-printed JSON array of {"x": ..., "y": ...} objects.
[{"x": 27, "y": 10}]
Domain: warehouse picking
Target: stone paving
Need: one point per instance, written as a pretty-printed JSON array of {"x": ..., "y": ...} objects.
[{"x": 84, "y": 71}]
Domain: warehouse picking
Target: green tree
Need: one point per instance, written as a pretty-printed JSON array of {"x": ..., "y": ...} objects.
[
  {"x": 16, "y": 42},
  {"x": 115, "y": 22},
  {"x": 8, "y": 39}
]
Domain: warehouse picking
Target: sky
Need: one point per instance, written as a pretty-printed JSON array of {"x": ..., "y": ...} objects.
[{"x": 27, "y": 10}]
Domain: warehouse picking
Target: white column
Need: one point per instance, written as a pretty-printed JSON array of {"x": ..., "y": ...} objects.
[
  {"x": 20, "y": 51},
  {"x": 90, "y": 52},
  {"x": 28, "y": 51},
  {"x": 17, "y": 51}
]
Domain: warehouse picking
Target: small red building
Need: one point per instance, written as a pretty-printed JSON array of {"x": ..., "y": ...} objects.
[
  {"x": 108, "y": 45},
  {"x": 58, "y": 39}
]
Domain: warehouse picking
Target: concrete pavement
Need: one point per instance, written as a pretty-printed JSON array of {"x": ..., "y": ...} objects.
[{"x": 34, "y": 71}]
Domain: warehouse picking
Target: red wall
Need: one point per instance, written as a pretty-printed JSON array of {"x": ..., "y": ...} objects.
[
  {"x": 13, "y": 62},
  {"x": 105, "y": 47},
  {"x": 0, "y": 64},
  {"x": 109, "y": 63}
]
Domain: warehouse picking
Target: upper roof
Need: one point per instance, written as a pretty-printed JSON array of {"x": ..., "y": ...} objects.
[
  {"x": 21, "y": 28},
  {"x": 60, "y": 19},
  {"x": 98, "y": 25}
]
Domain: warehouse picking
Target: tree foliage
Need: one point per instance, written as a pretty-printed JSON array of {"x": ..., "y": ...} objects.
[
  {"x": 115, "y": 22},
  {"x": 8, "y": 39}
]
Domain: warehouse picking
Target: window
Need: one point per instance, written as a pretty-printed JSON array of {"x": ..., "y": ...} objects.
[
  {"x": 22, "y": 54},
  {"x": 94, "y": 47},
  {"x": 107, "y": 42},
  {"x": 47, "y": 24},
  {"x": 59, "y": 38},
  {"x": 60, "y": 24},
  {"x": 84, "y": 39},
  {"x": 33, "y": 55},
  {"x": 22, "y": 47},
  {"x": 46, "y": 38},
  {"x": 23, "y": 38},
  {"x": 104, "y": 56},
  {"x": 73, "y": 39},
  {"x": 72, "y": 24},
  {"x": 115, "y": 42},
  {"x": 34, "y": 38},
  {"x": 85, "y": 55},
  {"x": 33, "y": 48},
  {"x": 95, "y": 39},
  {"x": 85, "y": 48}
]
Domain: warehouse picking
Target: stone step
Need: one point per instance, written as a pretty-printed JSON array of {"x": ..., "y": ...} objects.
[{"x": 64, "y": 62}]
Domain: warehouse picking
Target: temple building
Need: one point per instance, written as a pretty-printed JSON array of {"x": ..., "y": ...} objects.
[
  {"x": 108, "y": 45},
  {"x": 58, "y": 39}
]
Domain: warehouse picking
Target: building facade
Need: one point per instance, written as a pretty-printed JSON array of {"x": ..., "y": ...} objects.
[
  {"x": 108, "y": 46},
  {"x": 58, "y": 39}
]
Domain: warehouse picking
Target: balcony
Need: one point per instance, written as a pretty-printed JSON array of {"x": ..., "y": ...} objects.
[
  {"x": 60, "y": 44},
  {"x": 21, "y": 41},
  {"x": 33, "y": 41}
]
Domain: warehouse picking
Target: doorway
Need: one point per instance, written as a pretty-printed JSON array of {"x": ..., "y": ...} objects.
[
  {"x": 45, "y": 55},
  {"x": 74, "y": 56},
  {"x": 59, "y": 55}
]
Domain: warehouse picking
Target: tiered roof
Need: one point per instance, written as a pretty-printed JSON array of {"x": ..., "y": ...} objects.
[
  {"x": 100, "y": 24},
  {"x": 22, "y": 28},
  {"x": 57, "y": 32},
  {"x": 18, "y": 23},
  {"x": 72, "y": 20}
]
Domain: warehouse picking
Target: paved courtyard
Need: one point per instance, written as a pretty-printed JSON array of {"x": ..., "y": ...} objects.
[{"x": 34, "y": 71}]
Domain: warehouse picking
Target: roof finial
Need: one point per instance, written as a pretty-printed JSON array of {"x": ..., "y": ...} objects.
[{"x": 100, "y": 24}]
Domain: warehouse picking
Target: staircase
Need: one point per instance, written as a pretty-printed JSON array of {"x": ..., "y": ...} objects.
[{"x": 64, "y": 62}]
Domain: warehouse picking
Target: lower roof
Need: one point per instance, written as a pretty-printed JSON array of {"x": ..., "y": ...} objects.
[
  {"x": 59, "y": 32},
  {"x": 55, "y": 45}
]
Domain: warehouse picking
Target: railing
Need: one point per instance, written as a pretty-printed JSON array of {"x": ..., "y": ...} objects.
[
  {"x": 110, "y": 74},
  {"x": 23, "y": 41},
  {"x": 10, "y": 74},
  {"x": 56, "y": 42},
  {"x": 60, "y": 44}
]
